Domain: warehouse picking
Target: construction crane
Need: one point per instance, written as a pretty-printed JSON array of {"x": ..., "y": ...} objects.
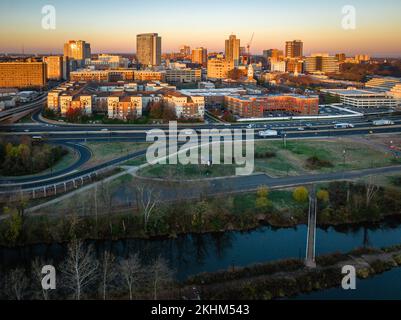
[{"x": 248, "y": 46}]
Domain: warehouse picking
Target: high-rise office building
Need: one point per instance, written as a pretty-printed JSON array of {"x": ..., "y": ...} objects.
[
  {"x": 199, "y": 56},
  {"x": 321, "y": 62},
  {"x": 148, "y": 49},
  {"x": 185, "y": 51},
  {"x": 233, "y": 49},
  {"x": 294, "y": 49},
  {"x": 77, "y": 50},
  {"x": 341, "y": 57},
  {"x": 22, "y": 74},
  {"x": 362, "y": 58},
  {"x": 54, "y": 67},
  {"x": 273, "y": 54},
  {"x": 87, "y": 51}
]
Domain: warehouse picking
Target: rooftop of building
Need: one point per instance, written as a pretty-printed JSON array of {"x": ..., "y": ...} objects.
[
  {"x": 355, "y": 92},
  {"x": 212, "y": 91},
  {"x": 247, "y": 97}
]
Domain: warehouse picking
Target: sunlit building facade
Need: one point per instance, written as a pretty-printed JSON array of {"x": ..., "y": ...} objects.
[{"x": 148, "y": 49}]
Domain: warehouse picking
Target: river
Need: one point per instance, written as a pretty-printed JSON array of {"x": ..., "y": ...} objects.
[{"x": 193, "y": 254}]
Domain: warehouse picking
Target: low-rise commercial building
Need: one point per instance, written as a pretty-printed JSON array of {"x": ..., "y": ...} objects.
[
  {"x": 363, "y": 98},
  {"x": 395, "y": 92},
  {"x": 186, "y": 75},
  {"x": 321, "y": 62},
  {"x": 255, "y": 106},
  {"x": 89, "y": 75},
  {"x": 213, "y": 97},
  {"x": 383, "y": 83},
  {"x": 149, "y": 75}
]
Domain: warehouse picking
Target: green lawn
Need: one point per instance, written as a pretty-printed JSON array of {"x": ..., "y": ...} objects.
[
  {"x": 106, "y": 151},
  {"x": 293, "y": 157},
  {"x": 179, "y": 171},
  {"x": 290, "y": 160}
]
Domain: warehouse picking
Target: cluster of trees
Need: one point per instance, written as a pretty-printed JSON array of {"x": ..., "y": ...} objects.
[
  {"x": 301, "y": 81},
  {"x": 23, "y": 158},
  {"x": 359, "y": 72},
  {"x": 99, "y": 216},
  {"x": 159, "y": 111},
  {"x": 82, "y": 275},
  {"x": 359, "y": 202},
  {"x": 76, "y": 115}
]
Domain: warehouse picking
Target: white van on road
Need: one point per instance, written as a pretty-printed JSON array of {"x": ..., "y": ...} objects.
[{"x": 268, "y": 133}]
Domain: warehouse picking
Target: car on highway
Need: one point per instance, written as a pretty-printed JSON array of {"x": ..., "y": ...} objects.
[
  {"x": 268, "y": 133},
  {"x": 26, "y": 130},
  {"x": 104, "y": 130},
  {"x": 309, "y": 126},
  {"x": 344, "y": 126},
  {"x": 188, "y": 132},
  {"x": 301, "y": 129},
  {"x": 379, "y": 123}
]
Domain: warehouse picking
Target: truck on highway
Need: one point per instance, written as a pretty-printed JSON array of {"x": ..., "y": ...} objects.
[
  {"x": 268, "y": 133},
  {"x": 37, "y": 139},
  {"x": 379, "y": 123},
  {"x": 343, "y": 126}
]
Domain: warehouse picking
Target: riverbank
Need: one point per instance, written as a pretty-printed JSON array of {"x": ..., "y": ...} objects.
[
  {"x": 341, "y": 204},
  {"x": 288, "y": 278}
]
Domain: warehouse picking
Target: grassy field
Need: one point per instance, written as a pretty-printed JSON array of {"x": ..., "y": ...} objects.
[
  {"x": 106, "y": 151},
  {"x": 291, "y": 160},
  {"x": 26, "y": 119}
]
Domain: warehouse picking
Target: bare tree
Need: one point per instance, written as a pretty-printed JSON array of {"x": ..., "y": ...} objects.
[
  {"x": 79, "y": 268},
  {"x": 17, "y": 283},
  {"x": 108, "y": 272},
  {"x": 106, "y": 196},
  {"x": 132, "y": 273},
  {"x": 160, "y": 275},
  {"x": 371, "y": 190},
  {"x": 147, "y": 200}
]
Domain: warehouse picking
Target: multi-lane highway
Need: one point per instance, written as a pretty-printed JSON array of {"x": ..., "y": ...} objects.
[
  {"x": 73, "y": 136},
  {"x": 14, "y": 114}
]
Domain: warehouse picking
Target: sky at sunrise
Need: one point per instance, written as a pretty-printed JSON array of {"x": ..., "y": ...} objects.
[{"x": 111, "y": 26}]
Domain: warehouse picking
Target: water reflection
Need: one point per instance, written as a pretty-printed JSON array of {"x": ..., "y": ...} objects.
[{"x": 193, "y": 254}]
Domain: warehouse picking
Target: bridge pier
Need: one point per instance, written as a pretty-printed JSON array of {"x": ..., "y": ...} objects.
[{"x": 310, "y": 260}]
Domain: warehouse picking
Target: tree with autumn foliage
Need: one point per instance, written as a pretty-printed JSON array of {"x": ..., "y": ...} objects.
[{"x": 74, "y": 114}]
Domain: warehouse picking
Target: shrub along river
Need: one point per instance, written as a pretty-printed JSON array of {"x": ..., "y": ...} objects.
[{"x": 193, "y": 254}]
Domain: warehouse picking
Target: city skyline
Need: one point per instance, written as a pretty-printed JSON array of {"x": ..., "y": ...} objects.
[{"x": 112, "y": 29}]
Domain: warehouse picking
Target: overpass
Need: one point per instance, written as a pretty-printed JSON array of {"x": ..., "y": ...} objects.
[{"x": 15, "y": 114}]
